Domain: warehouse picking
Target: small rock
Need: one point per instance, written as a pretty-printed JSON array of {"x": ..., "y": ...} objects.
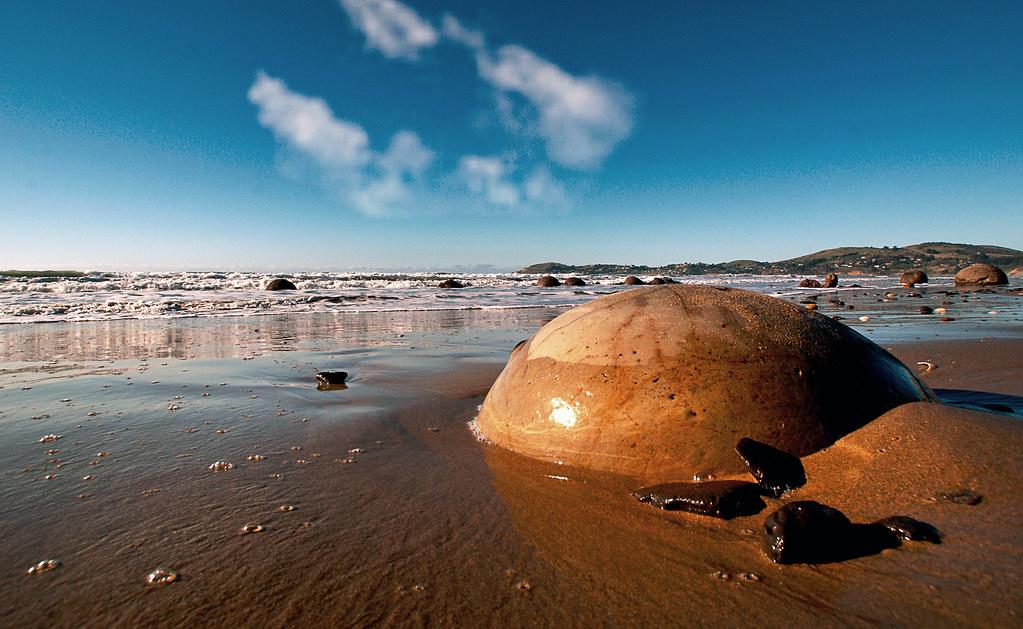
[
  {"x": 911, "y": 530},
  {"x": 45, "y": 565},
  {"x": 720, "y": 499},
  {"x": 331, "y": 377},
  {"x": 161, "y": 576},
  {"x": 280, "y": 283},
  {"x": 962, "y": 497},
  {"x": 926, "y": 310},
  {"x": 778, "y": 472},
  {"x": 804, "y": 531}
]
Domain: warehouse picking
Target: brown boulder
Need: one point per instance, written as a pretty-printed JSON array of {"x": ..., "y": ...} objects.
[
  {"x": 981, "y": 274},
  {"x": 909, "y": 279},
  {"x": 279, "y": 283},
  {"x": 632, "y": 280},
  {"x": 809, "y": 283},
  {"x": 574, "y": 281},
  {"x": 830, "y": 281},
  {"x": 451, "y": 284},
  {"x": 661, "y": 382},
  {"x": 548, "y": 281}
]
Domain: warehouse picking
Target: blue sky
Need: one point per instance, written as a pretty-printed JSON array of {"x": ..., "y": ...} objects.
[{"x": 336, "y": 134}]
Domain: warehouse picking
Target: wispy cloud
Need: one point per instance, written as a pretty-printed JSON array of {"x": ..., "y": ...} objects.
[
  {"x": 495, "y": 179},
  {"x": 377, "y": 184},
  {"x": 391, "y": 27},
  {"x": 580, "y": 118}
]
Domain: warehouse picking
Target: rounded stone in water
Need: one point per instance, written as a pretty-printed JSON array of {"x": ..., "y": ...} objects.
[
  {"x": 661, "y": 382},
  {"x": 162, "y": 576},
  {"x": 45, "y": 565}
]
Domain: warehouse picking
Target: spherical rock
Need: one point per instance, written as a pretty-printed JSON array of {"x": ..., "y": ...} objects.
[
  {"x": 909, "y": 279},
  {"x": 451, "y": 284},
  {"x": 575, "y": 281},
  {"x": 981, "y": 274},
  {"x": 830, "y": 281},
  {"x": 632, "y": 280},
  {"x": 809, "y": 283},
  {"x": 280, "y": 283},
  {"x": 657, "y": 281},
  {"x": 548, "y": 281},
  {"x": 661, "y": 382}
]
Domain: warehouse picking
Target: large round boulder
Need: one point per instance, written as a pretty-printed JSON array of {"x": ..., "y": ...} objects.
[
  {"x": 451, "y": 283},
  {"x": 810, "y": 283},
  {"x": 981, "y": 274},
  {"x": 279, "y": 283},
  {"x": 575, "y": 281},
  {"x": 909, "y": 279},
  {"x": 830, "y": 281},
  {"x": 661, "y": 382},
  {"x": 548, "y": 281},
  {"x": 632, "y": 280}
]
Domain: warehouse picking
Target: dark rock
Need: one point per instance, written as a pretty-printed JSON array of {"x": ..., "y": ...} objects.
[
  {"x": 911, "y": 530},
  {"x": 632, "y": 280},
  {"x": 548, "y": 281},
  {"x": 663, "y": 280},
  {"x": 909, "y": 279},
  {"x": 331, "y": 380},
  {"x": 451, "y": 284},
  {"x": 724, "y": 499},
  {"x": 962, "y": 497},
  {"x": 280, "y": 283},
  {"x": 830, "y": 281},
  {"x": 778, "y": 472},
  {"x": 809, "y": 283},
  {"x": 809, "y": 532},
  {"x": 574, "y": 281},
  {"x": 925, "y": 310},
  {"x": 947, "y": 319},
  {"x": 981, "y": 274}
]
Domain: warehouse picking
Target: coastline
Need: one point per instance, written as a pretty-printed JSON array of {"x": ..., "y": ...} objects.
[{"x": 425, "y": 525}]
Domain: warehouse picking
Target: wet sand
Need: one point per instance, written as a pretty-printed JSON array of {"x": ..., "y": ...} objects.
[{"x": 401, "y": 517}]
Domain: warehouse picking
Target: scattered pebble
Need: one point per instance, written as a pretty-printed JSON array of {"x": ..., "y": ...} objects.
[
  {"x": 50, "y": 438},
  {"x": 221, "y": 466},
  {"x": 252, "y": 528},
  {"x": 255, "y": 457},
  {"x": 749, "y": 576},
  {"x": 865, "y": 318},
  {"x": 962, "y": 497},
  {"x": 161, "y": 576},
  {"x": 286, "y": 508},
  {"x": 45, "y": 565}
]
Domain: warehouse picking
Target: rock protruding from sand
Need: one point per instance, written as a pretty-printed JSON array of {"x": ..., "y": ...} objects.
[
  {"x": 810, "y": 283},
  {"x": 981, "y": 274},
  {"x": 909, "y": 279},
  {"x": 279, "y": 283},
  {"x": 659, "y": 383},
  {"x": 451, "y": 284},
  {"x": 830, "y": 280},
  {"x": 548, "y": 281},
  {"x": 657, "y": 281},
  {"x": 632, "y": 280},
  {"x": 575, "y": 281}
]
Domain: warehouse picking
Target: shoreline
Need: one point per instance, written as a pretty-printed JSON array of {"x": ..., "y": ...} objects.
[{"x": 424, "y": 524}]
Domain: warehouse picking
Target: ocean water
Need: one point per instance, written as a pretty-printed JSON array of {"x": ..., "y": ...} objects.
[{"x": 113, "y": 296}]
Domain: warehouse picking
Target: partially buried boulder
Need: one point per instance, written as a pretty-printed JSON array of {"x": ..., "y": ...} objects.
[
  {"x": 575, "y": 281},
  {"x": 830, "y": 281},
  {"x": 548, "y": 281},
  {"x": 657, "y": 281},
  {"x": 279, "y": 283},
  {"x": 909, "y": 279},
  {"x": 981, "y": 274},
  {"x": 451, "y": 284},
  {"x": 660, "y": 382},
  {"x": 809, "y": 283},
  {"x": 632, "y": 280}
]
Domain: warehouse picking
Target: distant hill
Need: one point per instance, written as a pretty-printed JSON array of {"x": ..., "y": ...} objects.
[{"x": 936, "y": 258}]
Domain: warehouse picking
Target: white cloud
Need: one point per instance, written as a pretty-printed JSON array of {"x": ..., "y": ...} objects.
[
  {"x": 488, "y": 176},
  {"x": 391, "y": 27},
  {"x": 308, "y": 125},
  {"x": 580, "y": 118},
  {"x": 454, "y": 31},
  {"x": 378, "y": 184}
]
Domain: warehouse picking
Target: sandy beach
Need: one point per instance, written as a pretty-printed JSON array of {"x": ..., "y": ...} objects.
[{"x": 377, "y": 504}]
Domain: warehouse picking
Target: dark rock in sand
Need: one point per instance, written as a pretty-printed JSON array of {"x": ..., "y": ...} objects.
[
  {"x": 451, "y": 284},
  {"x": 574, "y": 281},
  {"x": 721, "y": 499},
  {"x": 632, "y": 280},
  {"x": 548, "y": 281},
  {"x": 911, "y": 530},
  {"x": 778, "y": 472},
  {"x": 809, "y": 532},
  {"x": 962, "y": 497},
  {"x": 663, "y": 280},
  {"x": 926, "y": 310},
  {"x": 909, "y": 279},
  {"x": 809, "y": 283},
  {"x": 830, "y": 280},
  {"x": 280, "y": 284},
  {"x": 981, "y": 274},
  {"x": 331, "y": 380}
]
